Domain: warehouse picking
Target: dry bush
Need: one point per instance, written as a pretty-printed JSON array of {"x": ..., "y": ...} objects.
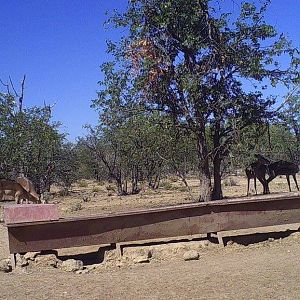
[
  {"x": 110, "y": 188},
  {"x": 182, "y": 189},
  {"x": 47, "y": 196},
  {"x": 82, "y": 184},
  {"x": 230, "y": 182},
  {"x": 96, "y": 189},
  {"x": 64, "y": 192},
  {"x": 85, "y": 199},
  {"x": 166, "y": 185},
  {"x": 173, "y": 178},
  {"x": 76, "y": 207}
]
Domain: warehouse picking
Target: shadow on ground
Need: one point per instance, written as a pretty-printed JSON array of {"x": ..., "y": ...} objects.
[
  {"x": 98, "y": 257},
  {"x": 248, "y": 239}
]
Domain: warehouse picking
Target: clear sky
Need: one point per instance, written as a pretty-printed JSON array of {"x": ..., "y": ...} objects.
[{"x": 60, "y": 44}]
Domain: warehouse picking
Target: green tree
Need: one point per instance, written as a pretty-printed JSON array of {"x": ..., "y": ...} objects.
[
  {"x": 30, "y": 142},
  {"x": 275, "y": 141},
  {"x": 189, "y": 61},
  {"x": 291, "y": 115},
  {"x": 66, "y": 165}
]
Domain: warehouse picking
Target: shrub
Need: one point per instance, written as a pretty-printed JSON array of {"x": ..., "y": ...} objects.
[
  {"x": 173, "y": 178},
  {"x": 76, "y": 206},
  {"x": 110, "y": 188},
  {"x": 166, "y": 185},
  {"x": 95, "y": 189},
  {"x": 230, "y": 182},
  {"x": 85, "y": 199},
  {"x": 82, "y": 184},
  {"x": 64, "y": 192}
]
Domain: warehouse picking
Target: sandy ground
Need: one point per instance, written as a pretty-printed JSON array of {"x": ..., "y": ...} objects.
[
  {"x": 254, "y": 267},
  {"x": 264, "y": 271}
]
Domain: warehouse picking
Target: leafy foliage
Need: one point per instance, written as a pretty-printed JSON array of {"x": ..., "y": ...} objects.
[
  {"x": 30, "y": 143},
  {"x": 291, "y": 116},
  {"x": 191, "y": 63}
]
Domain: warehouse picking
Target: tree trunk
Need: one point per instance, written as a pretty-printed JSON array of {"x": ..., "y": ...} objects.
[
  {"x": 203, "y": 167},
  {"x": 217, "y": 190},
  {"x": 125, "y": 187},
  {"x": 119, "y": 183},
  {"x": 120, "y": 188},
  {"x": 134, "y": 180},
  {"x": 156, "y": 182}
]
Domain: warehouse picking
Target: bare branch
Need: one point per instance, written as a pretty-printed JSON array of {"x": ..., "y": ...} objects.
[
  {"x": 287, "y": 99},
  {"x": 13, "y": 87},
  {"x": 22, "y": 93},
  {"x": 6, "y": 85}
]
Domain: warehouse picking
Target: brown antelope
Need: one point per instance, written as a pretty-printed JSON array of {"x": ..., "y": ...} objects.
[
  {"x": 28, "y": 186},
  {"x": 17, "y": 190}
]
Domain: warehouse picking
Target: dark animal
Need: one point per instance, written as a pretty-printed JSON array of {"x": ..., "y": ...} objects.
[
  {"x": 286, "y": 168},
  {"x": 280, "y": 167},
  {"x": 250, "y": 175},
  {"x": 257, "y": 170}
]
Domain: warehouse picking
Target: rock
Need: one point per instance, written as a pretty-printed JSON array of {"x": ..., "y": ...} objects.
[
  {"x": 110, "y": 255},
  {"x": 143, "y": 256},
  {"x": 47, "y": 260},
  {"x": 191, "y": 255},
  {"x": 204, "y": 243},
  {"x": 271, "y": 239},
  {"x": 31, "y": 255},
  {"x": 140, "y": 259},
  {"x": 21, "y": 261},
  {"x": 72, "y": 265},
  {"x": 230, "y": 243},
  {"x": 5, "y": 265},
  {"x": 133, "y": 252}
]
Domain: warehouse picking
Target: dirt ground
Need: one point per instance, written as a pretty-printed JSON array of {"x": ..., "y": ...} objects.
[
  {"x": 255, "y": 266},
  {"x": 91, "y": 197}
]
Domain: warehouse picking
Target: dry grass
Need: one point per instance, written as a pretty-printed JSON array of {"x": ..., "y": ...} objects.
[
  {"x": 103, "y": 198},
  {"x": 91, "y": 197}
]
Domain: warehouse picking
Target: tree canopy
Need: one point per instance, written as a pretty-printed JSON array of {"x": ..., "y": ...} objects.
[{"x": 191, "y": 62}]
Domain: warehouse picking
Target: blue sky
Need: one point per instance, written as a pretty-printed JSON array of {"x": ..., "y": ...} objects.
[{"x": 60, "y": 44}]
